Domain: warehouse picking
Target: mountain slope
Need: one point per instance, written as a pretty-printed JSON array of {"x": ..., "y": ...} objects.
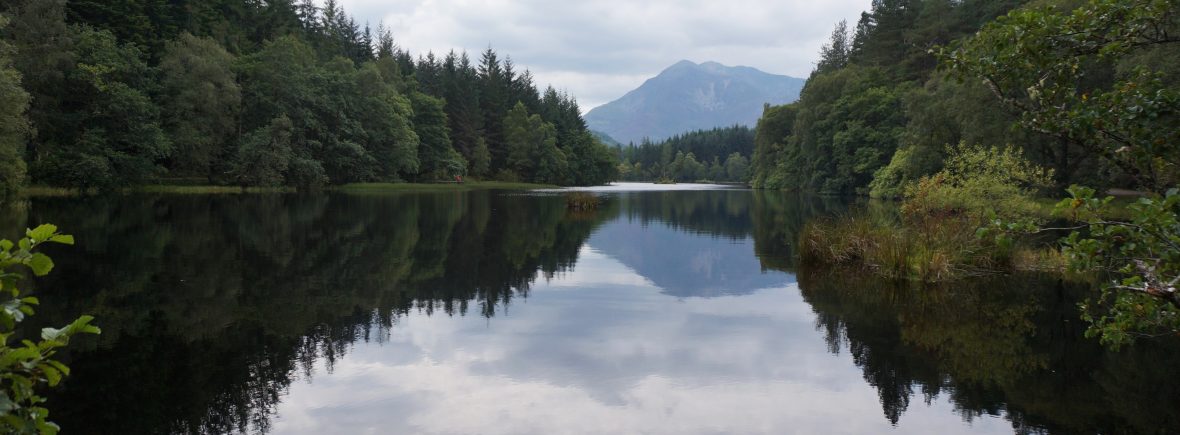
[{"x": 687, "y": 96}]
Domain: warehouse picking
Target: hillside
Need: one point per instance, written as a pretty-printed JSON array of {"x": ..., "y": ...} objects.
[{"x": 688, "y": 96}]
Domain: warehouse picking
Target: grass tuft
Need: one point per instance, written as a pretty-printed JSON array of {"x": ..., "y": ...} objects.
[{"x": 934, "y": 251}]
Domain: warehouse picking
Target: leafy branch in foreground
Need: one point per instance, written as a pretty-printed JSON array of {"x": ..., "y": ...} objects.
[
  {"x": 1051, "y": 67},
  {"x": 1044, "y": 65},
  {"x": 1143, "y": 252},
  {"x": 24, "y": 366}
]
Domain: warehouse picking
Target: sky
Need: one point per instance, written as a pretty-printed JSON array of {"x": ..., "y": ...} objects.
[
  {"x": 597, "y": 50},
  {"x": 567, "y": 360}
]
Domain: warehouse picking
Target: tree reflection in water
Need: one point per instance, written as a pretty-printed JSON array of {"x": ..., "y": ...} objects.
[{"x": 213, "y": 305}]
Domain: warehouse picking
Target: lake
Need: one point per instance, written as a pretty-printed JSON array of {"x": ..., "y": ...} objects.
[{"x": 671, "y": 309}]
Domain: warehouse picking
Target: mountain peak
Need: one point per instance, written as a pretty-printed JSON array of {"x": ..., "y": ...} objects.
[{"x": 688, "y": 96}]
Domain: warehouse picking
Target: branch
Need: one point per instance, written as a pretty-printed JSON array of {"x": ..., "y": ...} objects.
[{"x": 1153, "y": 285}]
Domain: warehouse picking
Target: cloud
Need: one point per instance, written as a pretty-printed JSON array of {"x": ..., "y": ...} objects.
[
  {"x": 597, "y": 50},
  {"x": 608, "y": 358}
]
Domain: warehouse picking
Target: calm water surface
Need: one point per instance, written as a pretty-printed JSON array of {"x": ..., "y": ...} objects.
[{"x": 666, "y": 311}]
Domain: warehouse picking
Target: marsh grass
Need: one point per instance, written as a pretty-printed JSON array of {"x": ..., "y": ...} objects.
[
  {"x": 933, "y": 250},
  {"x": 582, "y": 201}
]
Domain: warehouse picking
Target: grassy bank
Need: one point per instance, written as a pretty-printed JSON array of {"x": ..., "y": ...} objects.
[{"x": 185, "y": 189}]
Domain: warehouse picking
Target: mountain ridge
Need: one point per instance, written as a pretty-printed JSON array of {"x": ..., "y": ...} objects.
[{"x": 687, "y": 96}]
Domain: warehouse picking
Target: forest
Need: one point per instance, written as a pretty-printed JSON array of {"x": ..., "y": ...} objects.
[
  {"x": 879, "y": 112},
  {"x": 719, "y": 154},
  {"x": 977, "y": 115},
  {"x": 103, "y": 95}
]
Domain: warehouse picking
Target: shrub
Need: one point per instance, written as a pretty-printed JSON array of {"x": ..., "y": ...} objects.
[
  {"x": 907, "y": 166},
  {"x": 26, "y": 365},
  {"x": 978, "y": 182}
]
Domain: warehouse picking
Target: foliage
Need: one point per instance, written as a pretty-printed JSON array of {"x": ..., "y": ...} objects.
[
  {"x": 1067, "y": 75},
  {"x": 1142, "y": 252},
  {"x": 26, "y": 365},
  {"x": 737, "y": 168},
  {"x": 201, "y": 104},
  {"x": 127, "y": 91},
  {"x": 264, "y": 156},
  {"x": 770, "y": 137},
  {"x": 834, "y": 53},
  {"x": 978, "y": 182},
  {"x": 438, "y": 159},
  {"x": 872, "y": 94},
  {"x": 938, "y": 236},
  {"x": 908, "y": 165},
  {"x": 481, "y": 158},
  {"x": 532, "y": 147},
  {"x": 107, "y": 132},
  {"x": 650, "y": 161},
  {"x": 14, "y": 126},
  {"x": 1048, "y": 66},
  {"x": 847, "y": 124}
]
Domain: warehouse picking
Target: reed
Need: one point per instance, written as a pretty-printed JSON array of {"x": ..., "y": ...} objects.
[
  {"x": 582, "y": 201},
  {"x": 932, "y": 251}
]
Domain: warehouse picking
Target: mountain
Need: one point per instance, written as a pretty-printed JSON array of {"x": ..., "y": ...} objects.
[
  {"x": 688, "y": 96},
  {"x": 683, "y": 264},
  {"x": 605, "y": 138}
]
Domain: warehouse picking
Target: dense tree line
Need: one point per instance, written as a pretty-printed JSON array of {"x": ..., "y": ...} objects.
[
  {"x": 877, "y": 114},
  {"x": 1086, "y": 89},
  {"x": 104, "y": 94},
  {"x": 719, "y": 154},
  {"x": 236, "y": 339}
]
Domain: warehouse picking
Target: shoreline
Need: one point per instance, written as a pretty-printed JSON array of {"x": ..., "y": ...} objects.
[{"x": 47, "y": 191}]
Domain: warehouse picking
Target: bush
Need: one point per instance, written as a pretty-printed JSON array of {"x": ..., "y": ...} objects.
[
  {"x": 978, "y": 182},
  {"x": 939, "y": 235},
  {"x": 907, "y": 166}
]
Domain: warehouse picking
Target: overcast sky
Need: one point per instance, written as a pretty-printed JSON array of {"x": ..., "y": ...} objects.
[{"x": 597, "y": 50}]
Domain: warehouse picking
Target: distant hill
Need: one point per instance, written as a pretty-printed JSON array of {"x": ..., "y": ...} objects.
[
  {"x": 605, "y": 138},
  {"x": 687, "y": 96}
]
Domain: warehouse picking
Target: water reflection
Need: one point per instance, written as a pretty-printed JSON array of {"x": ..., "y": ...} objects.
[
  {"x": 491, "y": 312},
  {"x": 1009, "y": 346}
]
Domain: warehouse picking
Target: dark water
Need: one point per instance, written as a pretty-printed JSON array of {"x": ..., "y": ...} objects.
[{"x": 500, "y": 312}]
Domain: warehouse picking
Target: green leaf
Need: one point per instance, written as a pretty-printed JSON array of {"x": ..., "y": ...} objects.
[
  {"x": 64, "y": 239},
  {"x": 64, "y": 369},
  {"x": 50, "y": 333},
  {"x": 51, "y": 374},
  {"x": 42, "y": 232},
  {"x": 5, "y": 244},
  {"x": 6, "y": 403},
  {"x": 40, "y": 264}
]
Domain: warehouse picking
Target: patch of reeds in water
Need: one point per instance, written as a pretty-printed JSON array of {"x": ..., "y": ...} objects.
[
  {"x": 582, "y": 201},
  {"x": 931, "y": 251}
]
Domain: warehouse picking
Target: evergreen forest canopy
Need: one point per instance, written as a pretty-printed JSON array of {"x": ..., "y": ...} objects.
[
  {"x": 112, "y": 93},
  {"x": 719, "y": 154},
  {"x": 878, "y": 112}
]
